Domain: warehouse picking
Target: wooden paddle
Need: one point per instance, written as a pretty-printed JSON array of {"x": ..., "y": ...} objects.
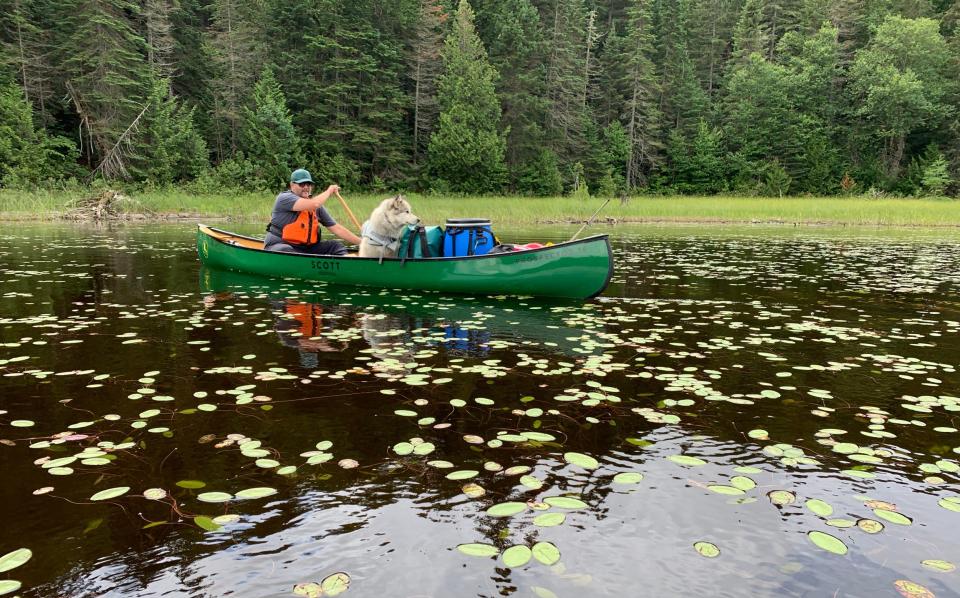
[
  {"x": 349, "y": 211},
  {"x": 589, "y": 222}
]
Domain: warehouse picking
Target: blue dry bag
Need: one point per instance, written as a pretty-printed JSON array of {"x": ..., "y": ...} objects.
[{"x": 467, "y": 236}]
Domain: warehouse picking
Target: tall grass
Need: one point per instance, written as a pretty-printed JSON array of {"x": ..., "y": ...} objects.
[{"x": 254, "y": 207}]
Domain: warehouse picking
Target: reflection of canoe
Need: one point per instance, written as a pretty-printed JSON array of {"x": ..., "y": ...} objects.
[
  {"x": 472, "y": 320},
  {"x": 576, "y": 269}
]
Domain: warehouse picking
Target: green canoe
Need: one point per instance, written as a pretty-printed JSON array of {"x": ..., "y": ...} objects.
[{"x": 576, "y": 269}]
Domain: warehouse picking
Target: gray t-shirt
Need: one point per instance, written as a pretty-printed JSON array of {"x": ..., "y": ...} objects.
[{"x": 283, "y": 215}]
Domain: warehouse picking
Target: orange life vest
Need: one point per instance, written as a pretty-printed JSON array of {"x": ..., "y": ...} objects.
[{"x": 305, "y": 230}]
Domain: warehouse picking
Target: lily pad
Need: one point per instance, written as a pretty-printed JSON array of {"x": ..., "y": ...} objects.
[
  {"x": 110, "y": 493},
  {"x": 254, "y": 493},
  {"x": 565, "y": 502},
  {"x": 893, "y": 517},
  {"x": 463, "y": 474},
  {"x": 549, "y": 519},
  {"x": 782, "y": 497},
  {"x": 191, "y": 484},
  {"x": 214, "y": 497},
  {"x": 473, "y": 490},
  {"x": 9, "y": 585},
  {"x": 403, "y": 448},
  {"x": 204, "y": 522},
  {"x": 507, "y": 509},
  {"x": 870, "y": 526},
  {"x": 819, "y": 507},
  {"x": 546, "y": 553},
  {"x": 336, "y": 584},
  {"x": 155, "y": 494},
  {"x": 707, "y": 549},
  {"x": 581, "y": 460},
  {"x": 743, "y": 483},
  {"x": 14, "y": 559},
  {"x": 628, "y": 477},
  {"x": 516, "y": 556},
  {"x": 909, "y": 589},
  {"x": 949, "y": 505},
  {"x": 828, "y": 542},
  {"x": 531, "y": 482},
  {"x": 936, "y": 565},
  {"x": 424, "y": 449},
  {"x": 687, "y": 460},
  {"x": 481, "y": 550}
]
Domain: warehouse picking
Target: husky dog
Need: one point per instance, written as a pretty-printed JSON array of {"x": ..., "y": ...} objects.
[{"x": 380, "y": 235}]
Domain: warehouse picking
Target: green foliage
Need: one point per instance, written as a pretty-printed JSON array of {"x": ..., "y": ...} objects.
[
  {"x": 466, "y": 152},
  {"x": 776, "y": 181},
  {"x": 168, "y": 148},
  {"x": 541, "y": 177},
  {"x": 675, "y": 96},
  {"x": 698, "y": 167},
  {"x": 27, "y": 155},
  {"x": 106, "y": 78},
  {"x": 899, "y": 84},
  {"x": 267, "y": 132},
  {"x": 936, "y": 176}
]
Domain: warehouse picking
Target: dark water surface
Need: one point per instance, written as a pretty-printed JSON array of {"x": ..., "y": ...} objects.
[{"x": 722, "y": 365}]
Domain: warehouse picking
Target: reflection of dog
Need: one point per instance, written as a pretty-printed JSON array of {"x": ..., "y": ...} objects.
[{"x": 381, "y": 233}]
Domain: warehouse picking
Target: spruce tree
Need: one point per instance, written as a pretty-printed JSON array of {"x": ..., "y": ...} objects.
[
  {"x": 168, "y": 147},
  {"x": 467, "y": 151},
  {"x": 568, "y": 117},
  {"x": 710, "y": 27},
  {"x": 425, "y": 64},
  {"x": 641, "y": 116},
  {"x": 158, "y": 18},
  {"x": 26, "y": 34},
  {"x": 106, "y": 76},
  {"x": 682, "y": 101},
  {"x": 268, "y": 137},
  {"x": 514, "y": 39},
  {"x": 237, "y": 47}
]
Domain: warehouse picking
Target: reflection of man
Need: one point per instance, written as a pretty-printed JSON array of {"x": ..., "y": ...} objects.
[
  {"x": 299, "y": 326},
  {"x": 297, "y": 216}
]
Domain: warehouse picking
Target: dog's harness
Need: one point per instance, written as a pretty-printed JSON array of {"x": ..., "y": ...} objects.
[{"x": 377, "y": 240}]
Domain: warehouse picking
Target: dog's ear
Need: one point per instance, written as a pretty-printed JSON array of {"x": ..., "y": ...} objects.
[{"x": 398, "y": 201}]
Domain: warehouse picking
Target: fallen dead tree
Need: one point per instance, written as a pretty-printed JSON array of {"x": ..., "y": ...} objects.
[{"x": 108, "y": 205}]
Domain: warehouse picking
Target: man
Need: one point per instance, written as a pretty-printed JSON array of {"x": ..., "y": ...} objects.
[{"x": 296, "y": 219}]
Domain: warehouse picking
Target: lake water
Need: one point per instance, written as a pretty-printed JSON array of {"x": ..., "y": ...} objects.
[{"x": 744, "y": 412}]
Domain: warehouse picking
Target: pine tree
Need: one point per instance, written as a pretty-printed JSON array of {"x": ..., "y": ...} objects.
[
  {"x": 567, "y": 77},
  {"x": 27, "y": 51},
  {"x": 711, "y": 27},
  {"x": 158, "y": 23},
  {"x": 425, "y": 64},
  {"x": 641, "y": 117},
  {"x": 237, "y": 49},
  {"x": 168, "y": 147},
  {"x": 682, "y": 101},
  {"x": 269, "y": 139},
  {"x": 345, "y": 84},
  {"x": 27, "y": 155},
  {"x": 467, "y": 151},
  {"x": 106, "y": 77},
  {"x": 515, "y": 43}
]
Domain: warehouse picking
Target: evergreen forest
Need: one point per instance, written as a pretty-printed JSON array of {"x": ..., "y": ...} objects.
[{"x": 524, "y": 97}]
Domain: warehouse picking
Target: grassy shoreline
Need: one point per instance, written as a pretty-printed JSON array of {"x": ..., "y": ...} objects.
[{"x": 253, "y": 207}]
